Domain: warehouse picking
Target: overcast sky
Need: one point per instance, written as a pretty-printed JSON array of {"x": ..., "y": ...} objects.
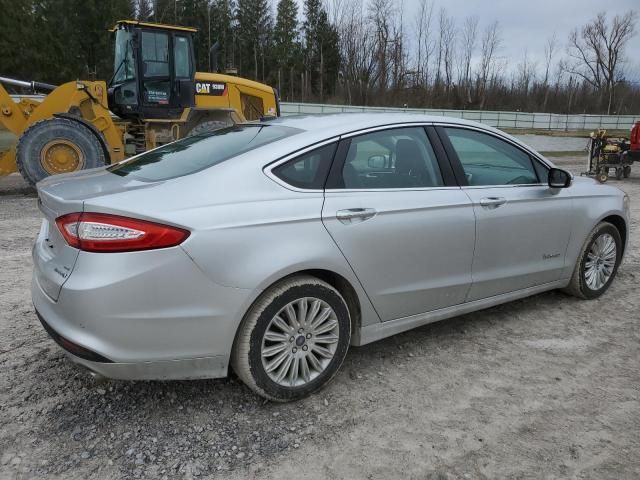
[{"x": 526, "y": 24}]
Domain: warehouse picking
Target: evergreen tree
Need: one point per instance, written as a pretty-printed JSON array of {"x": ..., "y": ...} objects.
[
  {"x": 254, "y": 35},
  {"x": 194, "y": 13},
  {"x": 321, "y": 50},
  {"x": 286, "y": 46},
  {"x": 18, "y": 49},
  {"x": 166, "y": 11},
  {"x": 143, "y": 10},
  {"x": 222, "y": 31}
]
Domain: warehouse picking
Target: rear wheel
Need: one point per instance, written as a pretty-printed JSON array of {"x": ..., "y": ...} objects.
[
  {"x": 626, "y": 171},
  {"x": 598, "y": 262},
  {"x": 57, "y": 145},
  {"x": 619, "y": 173},
  {"x": 293, "y": 340}
]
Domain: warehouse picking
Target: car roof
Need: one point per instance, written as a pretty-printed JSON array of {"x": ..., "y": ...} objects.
[
  {"x": 317, "y": 127},
  {"x": 340, "y": 123}
]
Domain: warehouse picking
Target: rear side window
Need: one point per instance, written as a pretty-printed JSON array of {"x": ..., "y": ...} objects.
[
  {"x": 181, "y": 57},
  {"x": 308, "y": 171},
  {"x": 196, "y": 153}
]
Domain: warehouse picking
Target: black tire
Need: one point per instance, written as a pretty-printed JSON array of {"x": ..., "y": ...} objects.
[
  {"x": 603, "y": 175},
  {"x": 578, "y": 286},
  {"x": 204, "y": 127},
  {"x": 619, "y": 173},
  {"x": 246, "y": 357},
  {"x": 626, "y": 172},
  {"x": 42, "y": 134}
]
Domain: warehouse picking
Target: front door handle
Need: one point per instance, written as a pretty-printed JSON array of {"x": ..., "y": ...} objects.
[
  {"x": 355, "y": 215},
  {"x": 492, "y": 202}
]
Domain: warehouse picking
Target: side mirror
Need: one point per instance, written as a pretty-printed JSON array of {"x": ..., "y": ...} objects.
[
  {"x": 559, "y": 178},
  {"x": 376, "y": 162}
]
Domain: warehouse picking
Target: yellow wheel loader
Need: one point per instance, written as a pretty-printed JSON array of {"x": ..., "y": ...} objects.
[{"x": 154, "y": 97}]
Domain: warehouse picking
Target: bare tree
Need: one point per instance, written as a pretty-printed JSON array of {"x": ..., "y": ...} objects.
[
  {"x": 597, "y": 52},
  {"x": 398, "y": 52},
  {"x": 425, "y": 45},
  {"x": 468, "y": 38},
  {"x": 525, "y": 77},
  {"x": 357, "y": 49},
  {"x": 550, "y": 50},
  {"x": 380, "y": 16},
  {"x": 490, "y": 44},
  {"x": 446, "y": 48}
]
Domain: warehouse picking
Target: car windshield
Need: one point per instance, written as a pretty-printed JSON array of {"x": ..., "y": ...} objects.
[{"x": 198, "y": 152}]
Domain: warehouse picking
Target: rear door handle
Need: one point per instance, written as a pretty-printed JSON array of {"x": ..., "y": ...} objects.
[
  {"x": 492, "y": 202},
  {"x": 355, "y": 215}
]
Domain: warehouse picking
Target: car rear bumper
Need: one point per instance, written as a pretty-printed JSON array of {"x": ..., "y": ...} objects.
[
  {"x": 142, "y": 316},
  {"x": 205, "y": 367}
]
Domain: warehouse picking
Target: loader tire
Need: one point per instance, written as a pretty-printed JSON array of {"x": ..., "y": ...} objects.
[
  {"x": 57, "y": 145},
  {"x": 205, "y": 127}
]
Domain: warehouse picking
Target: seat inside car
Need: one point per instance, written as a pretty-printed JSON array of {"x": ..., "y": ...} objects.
[{"x": 410, "y": 165}]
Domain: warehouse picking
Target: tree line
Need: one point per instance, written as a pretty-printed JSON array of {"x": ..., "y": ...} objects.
[{"x": 341, "y": 51}]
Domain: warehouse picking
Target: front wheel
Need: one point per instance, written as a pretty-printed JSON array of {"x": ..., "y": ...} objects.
[
  {"x": 293, "y": 339},
  {"x": 598, "y": 262},
  {"x": 57, "y": 145}
]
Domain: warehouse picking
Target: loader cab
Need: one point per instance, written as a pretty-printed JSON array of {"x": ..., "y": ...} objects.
[{"x": 154, "y": 70}]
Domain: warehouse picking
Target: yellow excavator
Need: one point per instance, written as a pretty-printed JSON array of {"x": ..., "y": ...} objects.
[{"x": 155, "y": 96}]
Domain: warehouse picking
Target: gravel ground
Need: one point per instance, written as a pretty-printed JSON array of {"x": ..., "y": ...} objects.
[{"x": 546, "y": 387}]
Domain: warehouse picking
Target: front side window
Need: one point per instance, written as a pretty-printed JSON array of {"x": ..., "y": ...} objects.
[
  {"x": 155, "y": 64},
  {"x": 395, "y": 158},
  {"x": 198, "y": 152},
  {"x": 308, "y": 171},
  {"x": 155, "y": 54},
  {"x": 487, "y": 160}
]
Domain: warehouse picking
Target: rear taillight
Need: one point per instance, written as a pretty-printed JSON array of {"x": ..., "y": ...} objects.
[
  {"x": 635, "y": 133},
  {"x": 101, "y": 232}
]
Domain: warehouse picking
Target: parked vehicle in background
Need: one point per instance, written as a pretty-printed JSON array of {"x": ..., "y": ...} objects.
[
  {"x": 634, "y": 138},
  {"x": 272, "y": 247}
]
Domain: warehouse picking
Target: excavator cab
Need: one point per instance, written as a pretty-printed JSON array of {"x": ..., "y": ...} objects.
[{"x": 154, "y": 70}]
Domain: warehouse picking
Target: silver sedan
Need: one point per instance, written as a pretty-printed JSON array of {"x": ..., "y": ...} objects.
[{"x": 271, "y": 247}]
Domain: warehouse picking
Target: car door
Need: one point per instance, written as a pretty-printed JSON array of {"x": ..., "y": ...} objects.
[
  {"x": 406, "y": 229},
  {"x": 522, "y": 225}
]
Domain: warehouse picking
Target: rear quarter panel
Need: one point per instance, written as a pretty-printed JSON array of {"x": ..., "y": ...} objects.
[{"x": 246, "y": 230}]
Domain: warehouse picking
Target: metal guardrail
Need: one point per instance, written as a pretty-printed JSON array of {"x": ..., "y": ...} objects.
[{"x": 542, "y": 121}]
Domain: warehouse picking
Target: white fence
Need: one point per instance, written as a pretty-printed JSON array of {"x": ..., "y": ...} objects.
[{"x": 546, "y": 121}]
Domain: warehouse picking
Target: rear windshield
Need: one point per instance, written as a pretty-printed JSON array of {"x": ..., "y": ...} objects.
[{"x": 198, "y": 152}]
